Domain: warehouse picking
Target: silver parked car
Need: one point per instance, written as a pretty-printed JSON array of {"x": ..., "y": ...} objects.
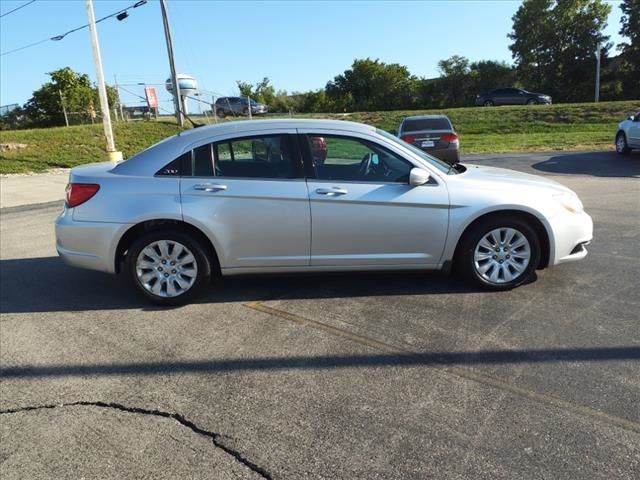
[
  {"x": 252, "y": 197},
  {"x": 432, "y": 133},
  {"x": 628, "y": 134}
]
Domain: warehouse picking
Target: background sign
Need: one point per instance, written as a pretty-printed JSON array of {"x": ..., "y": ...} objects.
[{"x": 152, "y": 97}]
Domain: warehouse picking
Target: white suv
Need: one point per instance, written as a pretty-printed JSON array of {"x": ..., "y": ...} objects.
[{"x": 628, "y": 134}]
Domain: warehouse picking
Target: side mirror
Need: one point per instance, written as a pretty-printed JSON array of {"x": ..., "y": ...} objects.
[
  {"x": 418, "y": 177},
  {"x": 632, "y": 118}
]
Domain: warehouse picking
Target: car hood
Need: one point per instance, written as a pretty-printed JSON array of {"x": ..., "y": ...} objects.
[{"x": 505, "y": 178}]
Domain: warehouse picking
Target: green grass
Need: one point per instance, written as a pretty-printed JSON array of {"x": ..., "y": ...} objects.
[{"x": 481, "y": 130}]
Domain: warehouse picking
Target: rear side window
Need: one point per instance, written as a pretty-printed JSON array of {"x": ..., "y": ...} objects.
[
  {"x": 418, "y": 124},
  {"x": 270, "y": 156}
]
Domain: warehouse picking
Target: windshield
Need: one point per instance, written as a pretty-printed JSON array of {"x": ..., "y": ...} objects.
[{"x": 444, "y": 167}]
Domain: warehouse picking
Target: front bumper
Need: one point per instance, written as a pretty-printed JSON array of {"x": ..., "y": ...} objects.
[
  {"x": 571, "y": 231},
  {"x": 89, "y": 245}
]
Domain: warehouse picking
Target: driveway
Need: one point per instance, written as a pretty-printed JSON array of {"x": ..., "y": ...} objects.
[{"x": 334, "y": 376}]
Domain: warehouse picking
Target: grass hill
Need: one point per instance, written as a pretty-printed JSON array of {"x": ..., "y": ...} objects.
[{"x": 481, "y": 130}]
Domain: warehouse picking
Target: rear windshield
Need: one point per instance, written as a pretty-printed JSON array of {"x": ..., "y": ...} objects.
[{"x": 415, "y": 125}]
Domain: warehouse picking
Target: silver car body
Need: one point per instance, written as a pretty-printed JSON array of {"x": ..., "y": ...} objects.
[
  {"x": 631, "y": 129},
  {"x": 278, "y": 225}
]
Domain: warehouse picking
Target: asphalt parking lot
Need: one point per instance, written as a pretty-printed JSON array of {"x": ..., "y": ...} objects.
[{"x": 371, "y": 376}]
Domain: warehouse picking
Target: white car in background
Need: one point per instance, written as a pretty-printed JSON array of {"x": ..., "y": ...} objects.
[
  {"x": 254, "y": 197},
  {"x": 628, "y": 134}
]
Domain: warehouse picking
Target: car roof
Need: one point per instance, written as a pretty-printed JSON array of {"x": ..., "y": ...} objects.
[{"x": 255, "y": 126}]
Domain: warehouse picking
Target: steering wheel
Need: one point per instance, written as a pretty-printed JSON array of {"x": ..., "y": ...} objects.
[{"x": 366, "y": 166}]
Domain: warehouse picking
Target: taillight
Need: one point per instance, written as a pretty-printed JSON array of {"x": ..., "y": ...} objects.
[
  {"x": 449, "y": 137},
  {"x": 408, "y": 138},
  {"x": 78, "y": 193}
]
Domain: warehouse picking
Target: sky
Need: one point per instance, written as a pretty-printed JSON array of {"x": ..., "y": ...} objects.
[{"x": 298, "y": 45}]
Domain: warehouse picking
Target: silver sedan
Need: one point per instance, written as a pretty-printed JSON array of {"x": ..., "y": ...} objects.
[{"x": 310, "y": 196}]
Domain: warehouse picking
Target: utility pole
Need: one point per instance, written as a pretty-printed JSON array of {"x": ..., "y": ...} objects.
[
  {"x": 64, "y": 109},
  {"x": 597, "y": 73},
  {"x": 115, "y": 78},
  {"x": 112, "y": 154},
  {"x": 172, "y": 64}
]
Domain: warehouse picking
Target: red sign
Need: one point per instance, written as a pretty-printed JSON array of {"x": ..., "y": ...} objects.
[{"x": 152, "y": 98}]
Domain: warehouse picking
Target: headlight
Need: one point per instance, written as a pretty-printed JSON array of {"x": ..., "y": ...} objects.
[{"x": 570, "y": 201}]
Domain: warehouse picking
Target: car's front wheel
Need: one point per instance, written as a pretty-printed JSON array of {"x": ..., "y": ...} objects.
[
  {"x": 220, "y": 113},
  {"x": 167, "y": 267},
  {"x": 488, "y": 103},
  {"x": 499, "y": 253},
  {"x": 532, "y": 101},
  {"x": 621, "y": 143}
]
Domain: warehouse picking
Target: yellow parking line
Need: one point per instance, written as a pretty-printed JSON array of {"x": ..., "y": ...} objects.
[{"x": 466, "y": 373}]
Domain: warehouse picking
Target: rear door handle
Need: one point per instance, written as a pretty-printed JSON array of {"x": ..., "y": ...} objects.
[
  {"x": 332, "y": 192},
  {"x": 210, "y": 187}
]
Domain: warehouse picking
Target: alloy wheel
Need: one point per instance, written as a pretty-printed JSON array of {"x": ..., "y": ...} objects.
[
  {"x": 166, "y": 268},
  {"x": 502, "y": 255}
]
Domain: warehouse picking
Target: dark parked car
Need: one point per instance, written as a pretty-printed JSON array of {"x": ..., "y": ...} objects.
[
  {"x": 433, "y": 134},
  {"x": 511, "y": 96},
  {"x": 238, "y": 106}
]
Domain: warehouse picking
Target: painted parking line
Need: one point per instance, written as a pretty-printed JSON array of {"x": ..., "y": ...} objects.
[{"x": 466, "y": 373}]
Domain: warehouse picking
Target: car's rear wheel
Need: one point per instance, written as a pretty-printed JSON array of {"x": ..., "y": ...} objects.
[
  {"x": 167, "y": 267},
  {"x": 621, "y": 143},
  {"x": 499, "y": 253},
  {"x": 488, "y": 103},
  {"x": 245, "y": 112}
]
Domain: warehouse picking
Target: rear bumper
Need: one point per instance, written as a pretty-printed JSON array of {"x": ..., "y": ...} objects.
[
  {"x": 571, "y": 233},
  {"x": 449, "y": 155},
  {"x": 89, "y": 245}
]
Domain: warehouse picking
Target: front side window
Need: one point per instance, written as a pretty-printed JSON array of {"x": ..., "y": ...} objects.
[{"x": 353, "y": 159}]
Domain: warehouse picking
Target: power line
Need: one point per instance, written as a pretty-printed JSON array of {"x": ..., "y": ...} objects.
[
  {"x": 17, "y": 8},
  {"x": 57, "y": 38}
]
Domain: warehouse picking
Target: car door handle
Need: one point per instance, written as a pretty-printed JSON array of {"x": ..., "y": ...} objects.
[
  {"x": 210, "y": 187},
  {"x": 333, "y": 191}
]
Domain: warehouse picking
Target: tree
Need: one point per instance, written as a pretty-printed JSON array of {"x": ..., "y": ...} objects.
[
  {"x": 630, "y": 28},
  {"x": 262, "y": 92},
  {"x": 372, "y": 85},
  {"x": 75, "y": 89},
  {"x": 454, "y": 72},
  {"x": 554, "y": 44},
  {"x": 489, "y": 74}
]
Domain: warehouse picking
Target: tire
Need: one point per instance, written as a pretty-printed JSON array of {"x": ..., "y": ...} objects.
[
  {"x": 152, "y": 274},
  {"x": 245, "y": 112},
  {"x": 621, "y": 144},
  {"x": 220, "y": 113},
  {"x": 488, "y": 103},
  {"x": 532, "y": 101},
  {"x": 498, "y": 270}
]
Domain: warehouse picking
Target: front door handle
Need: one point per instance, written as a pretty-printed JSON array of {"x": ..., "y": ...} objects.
[
  {"x": 210, "y": 187},
  {"x": 332, "y": 192}
]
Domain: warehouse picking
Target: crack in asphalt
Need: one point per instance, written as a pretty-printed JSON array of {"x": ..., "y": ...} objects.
[{"x": 215, "y": 437}]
